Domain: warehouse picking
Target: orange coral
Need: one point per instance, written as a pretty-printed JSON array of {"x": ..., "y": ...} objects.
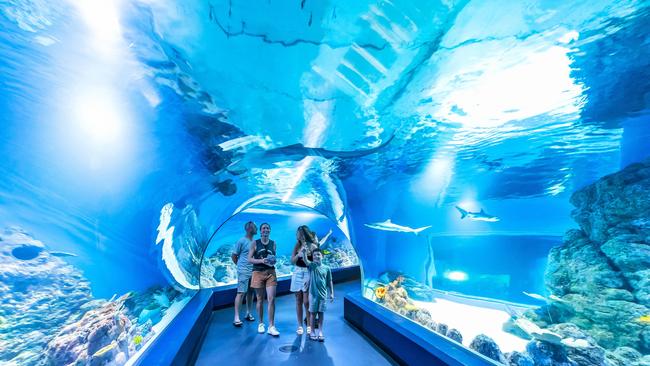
[{"x": 380, "y": 292}]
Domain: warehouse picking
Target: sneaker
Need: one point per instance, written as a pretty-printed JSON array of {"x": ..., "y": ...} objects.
[
  {"x": 300, "y": 331},
  {"x": 261, "y": 328},
  {"x": 272, "y": 331},
  {"x": 308, "y": 330}
]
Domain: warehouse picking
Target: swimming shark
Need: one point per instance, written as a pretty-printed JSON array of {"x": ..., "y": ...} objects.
[
  {"x": 477, "y": 216},
  {"x": 259, "y": 157},
  {"x": 390, "y": 226}
]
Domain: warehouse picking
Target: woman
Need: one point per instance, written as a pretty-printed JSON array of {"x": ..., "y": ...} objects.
[
  {"x": 300, "y": 276},
  {"x": 262, "y": 256}
]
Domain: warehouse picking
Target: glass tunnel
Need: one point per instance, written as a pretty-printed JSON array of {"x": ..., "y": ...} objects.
[{"x": 485, "y": 163}]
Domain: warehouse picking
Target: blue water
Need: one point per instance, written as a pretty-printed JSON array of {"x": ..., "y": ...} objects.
[{"x": 132, "y": 130}]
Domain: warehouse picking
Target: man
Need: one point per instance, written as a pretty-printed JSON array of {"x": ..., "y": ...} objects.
[
  {"x": 244, "y": 272},
  {"x": 262, "y": 256}
]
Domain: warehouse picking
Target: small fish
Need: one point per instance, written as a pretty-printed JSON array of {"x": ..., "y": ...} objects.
[
  {"x": 555, "y": 298},
  {"x": 535, "y": 296},
  {"x": 410, "y": 307},
  {"x": 390, "y": 226},
  {"x": 542, "y": 298},
  {"x": 105, "y": 349},
  {"x": 326, "y": 252},
  {"x": 62, "y": 254},
  {"x": 137, "y": 340},
  {"x": 644, "y": 319},
  {"x": 477, "y": 216}
]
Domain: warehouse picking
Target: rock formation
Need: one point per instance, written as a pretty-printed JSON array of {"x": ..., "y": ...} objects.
[{"x": 601, "y": 273}]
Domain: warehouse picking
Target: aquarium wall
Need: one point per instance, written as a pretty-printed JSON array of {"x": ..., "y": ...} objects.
[
  {"x": 479, "y": 158},
  {"x": 508, "y": 214}
]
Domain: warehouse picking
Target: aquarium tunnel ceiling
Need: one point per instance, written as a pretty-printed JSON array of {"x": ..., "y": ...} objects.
[{"x": 138, "y": 136}]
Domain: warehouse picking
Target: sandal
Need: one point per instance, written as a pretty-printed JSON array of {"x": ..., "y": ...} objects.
[
  {"x": 321, "y": 338},
  {"x": 237, "y": 323},
  {"x": 313, "y": 337},
  {"x": 250, "y": 318}
]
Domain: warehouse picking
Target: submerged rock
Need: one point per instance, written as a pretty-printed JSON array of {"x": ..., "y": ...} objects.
[
  {"x": 488, "y": 348},
  {"x": 602, "y": 271},
  {"x": 626, "y": 355},
  {"x": 442, "y": 328},
  {"x": 454, "y": 334},
  {"x": 519, "y": 359},
  {"x": 548, "y": 354}
]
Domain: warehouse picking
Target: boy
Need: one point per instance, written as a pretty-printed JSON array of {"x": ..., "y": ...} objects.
[{"x": 320, "y": 279}]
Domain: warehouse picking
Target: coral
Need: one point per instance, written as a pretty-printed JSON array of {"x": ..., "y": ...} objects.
[
  {"x": 96, "y": 339},
  {"x": 396, "y": 298},
  {"x": 112, "y": 331},
  {"x": 341, "y": 257},
  {"x": 380, "y": 292}
]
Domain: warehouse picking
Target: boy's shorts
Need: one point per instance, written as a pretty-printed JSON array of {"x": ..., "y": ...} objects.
[
  {"x": 317, "y": 304},
  {"x": 263, "y": 279},
  {"x": 243, "y": 282}
]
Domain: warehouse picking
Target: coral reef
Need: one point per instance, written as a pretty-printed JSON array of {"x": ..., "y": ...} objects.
[
  {"x": 562, "y": 344},
  {"x": 39, "y": 293},
  {"x": 601, "y": 273},
  {"x": 341, "y": 257},
  {"x": 114, "y": 331},
  {"x": 48, "y": 315},
  {"x": 395, "y": 297}
]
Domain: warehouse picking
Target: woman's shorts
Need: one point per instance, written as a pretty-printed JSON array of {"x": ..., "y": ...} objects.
[
  {"x": 300, "y": 279},
  {"x": 243, "y": 282},
  {"x": 264, "y": 278}
]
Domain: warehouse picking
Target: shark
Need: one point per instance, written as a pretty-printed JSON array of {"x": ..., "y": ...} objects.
[
  {"x": 477, "y": 216},
  {"x": 259, "y": 157},
  {"x": 390, "y": 226}
]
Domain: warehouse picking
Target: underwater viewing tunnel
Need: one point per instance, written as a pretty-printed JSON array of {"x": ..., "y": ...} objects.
[{"x": 459, "y": 182}]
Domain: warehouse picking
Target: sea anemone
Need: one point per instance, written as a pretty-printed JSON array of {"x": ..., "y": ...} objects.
[{"x": 380, "y": 292}]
